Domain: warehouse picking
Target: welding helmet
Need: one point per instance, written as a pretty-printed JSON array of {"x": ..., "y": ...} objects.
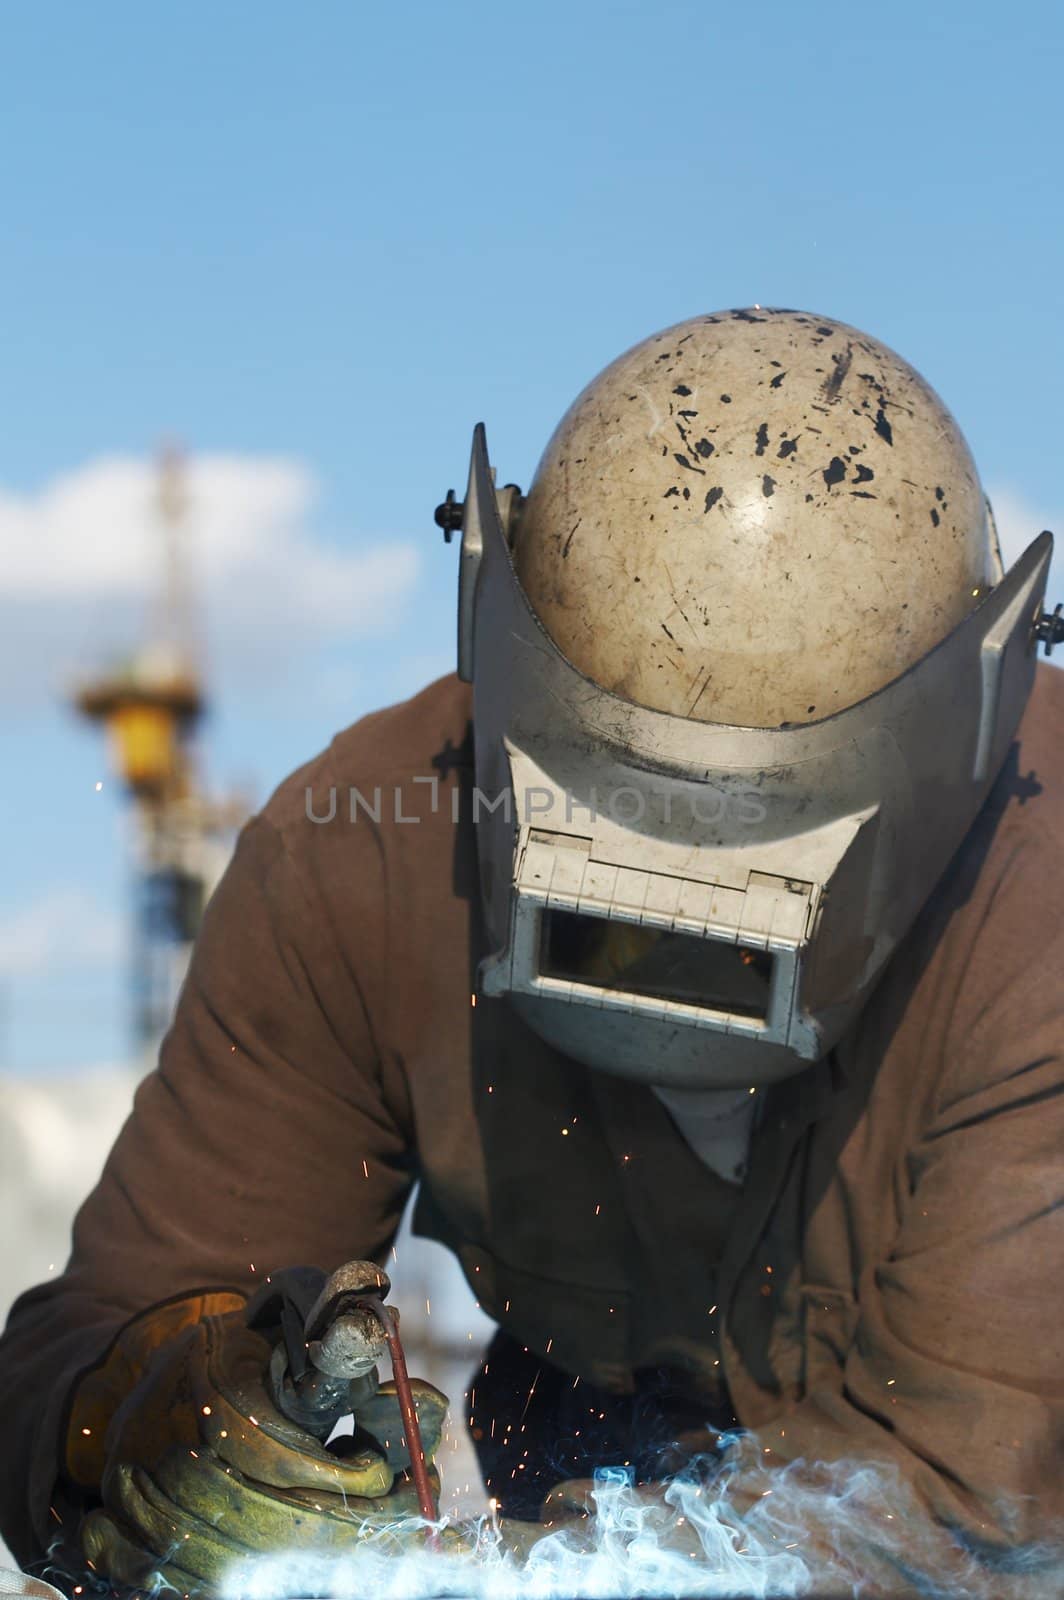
[{"x": 745, "y": 664}]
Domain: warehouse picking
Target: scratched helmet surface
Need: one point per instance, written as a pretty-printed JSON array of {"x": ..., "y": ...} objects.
[{"x": 756, "y": 517}]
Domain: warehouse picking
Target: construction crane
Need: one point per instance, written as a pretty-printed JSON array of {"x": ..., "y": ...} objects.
[{"x": 150, "y": 707}]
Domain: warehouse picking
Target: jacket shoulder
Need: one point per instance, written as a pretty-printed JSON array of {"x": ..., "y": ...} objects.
[
  {"x": 1020, "y": 837},
  {"x": 1004, "y": 949},
  {"x": 1041, "y": 731},
  {"x": 427, "y": 735}
]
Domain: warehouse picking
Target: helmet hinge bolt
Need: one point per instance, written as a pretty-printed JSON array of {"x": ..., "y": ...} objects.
[
  {"x": 449, "y": 515},
  {"x": 1049, "y": 630}
]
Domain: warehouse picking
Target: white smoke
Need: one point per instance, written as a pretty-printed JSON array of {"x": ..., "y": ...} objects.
[
  {"x": 850, "y": 1529},
  {"x": 679, "y": 1546}
]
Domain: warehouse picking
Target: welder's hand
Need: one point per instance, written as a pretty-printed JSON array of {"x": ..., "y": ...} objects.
[{"x": 201, "y": 1470}]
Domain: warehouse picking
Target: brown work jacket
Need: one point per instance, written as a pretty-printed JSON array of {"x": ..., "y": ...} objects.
[{"x": 887, "y": 1283}]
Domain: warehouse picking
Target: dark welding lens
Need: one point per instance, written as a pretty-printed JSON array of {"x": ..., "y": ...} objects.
[{"x": 639, "y": 960}]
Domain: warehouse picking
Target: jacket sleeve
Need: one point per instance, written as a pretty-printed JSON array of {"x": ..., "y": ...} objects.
[
  {"x": 952, "y": 1378},
  {"x": 267, "y": 1137}
]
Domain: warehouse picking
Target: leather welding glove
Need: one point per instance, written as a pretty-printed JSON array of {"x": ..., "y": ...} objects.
[{"x": 198, "y": 1469}]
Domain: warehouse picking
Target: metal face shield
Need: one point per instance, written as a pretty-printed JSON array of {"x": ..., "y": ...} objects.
[{"x": 697, "y": 904}]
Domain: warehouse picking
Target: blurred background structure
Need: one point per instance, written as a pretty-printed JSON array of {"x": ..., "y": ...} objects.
[
  {"x": 319, "y": 244},
  {"x": 150, "y": 707}
]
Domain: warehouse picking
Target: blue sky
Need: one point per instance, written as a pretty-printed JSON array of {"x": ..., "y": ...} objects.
[{"x": 318, "y": 243}]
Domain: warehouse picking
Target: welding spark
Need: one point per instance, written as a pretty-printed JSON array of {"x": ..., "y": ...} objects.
[{"x": 528, "y": 1402}]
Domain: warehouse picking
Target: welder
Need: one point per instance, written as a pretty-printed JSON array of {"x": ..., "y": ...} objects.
[{"x": 696, "y": 949}]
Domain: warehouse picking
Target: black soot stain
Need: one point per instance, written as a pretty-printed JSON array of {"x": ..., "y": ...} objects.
[
  {"x": 841, "y": 361},
  {"x": 569, "y": 540}
]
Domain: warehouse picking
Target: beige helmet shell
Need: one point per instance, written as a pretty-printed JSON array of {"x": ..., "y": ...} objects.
[{"x": 758, "y": 518}]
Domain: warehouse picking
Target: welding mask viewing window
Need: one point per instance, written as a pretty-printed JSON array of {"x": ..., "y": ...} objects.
[
  {"x": 658, "y": 963},
  {"x": 745, "y": 665}
]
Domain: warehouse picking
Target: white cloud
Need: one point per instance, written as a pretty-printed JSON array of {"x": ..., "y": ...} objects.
[
  {"x": 81, "y": 563},
  {"x": 62, "y": 929}
]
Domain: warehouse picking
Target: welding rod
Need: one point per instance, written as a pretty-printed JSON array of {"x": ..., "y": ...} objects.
[{"x": 408, "y": 1411}]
